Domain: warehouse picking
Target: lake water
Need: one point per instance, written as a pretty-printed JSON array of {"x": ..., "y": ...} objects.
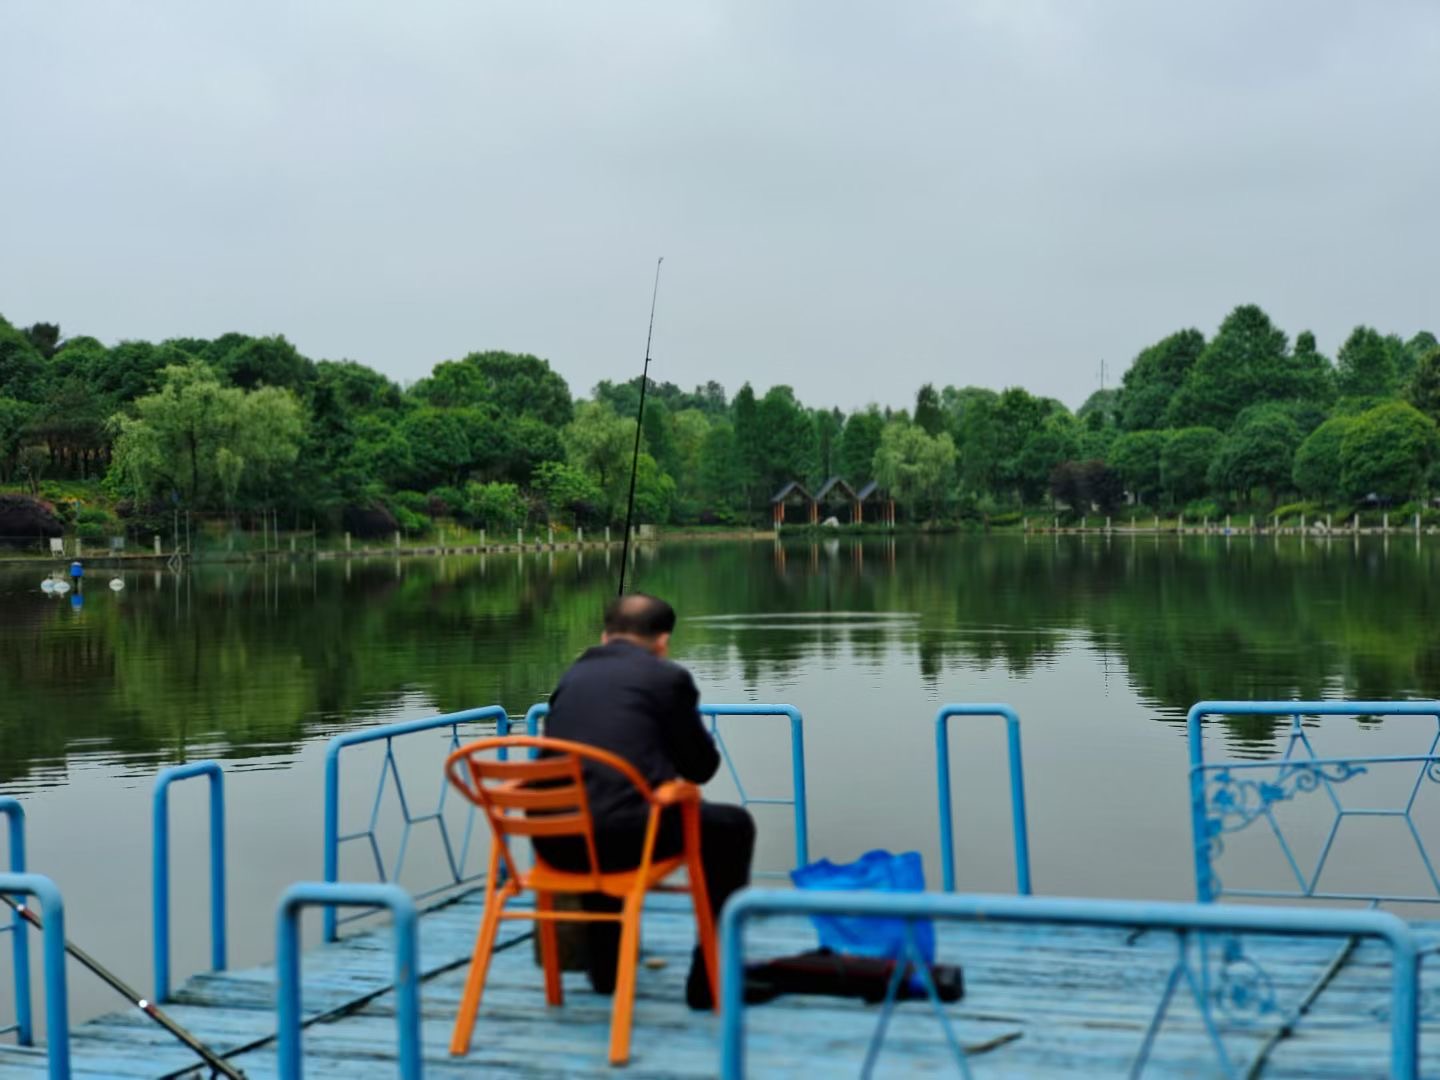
[{"x": 1100, "y": 643}]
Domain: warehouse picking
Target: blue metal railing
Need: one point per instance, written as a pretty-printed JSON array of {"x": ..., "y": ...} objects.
[
  {"x": 1229, "y": 796},
  {"x": 1184, "y": 920},
  {"x": 388, "y": 734},
  {"x": 406, "y": 935},
  {"x": 160, "y": 868},
  {"x": 798, "y": 800},
  {"x": 1019, "y": 824},
  {"x": 52, "y": 919},
  {"x": 24, "y": 1026}
]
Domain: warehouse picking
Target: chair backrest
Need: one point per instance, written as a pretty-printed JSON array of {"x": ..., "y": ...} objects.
[{"x": 535, "y": 797}]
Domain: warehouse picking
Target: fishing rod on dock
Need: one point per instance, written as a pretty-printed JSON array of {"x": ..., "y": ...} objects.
[
  {"x": 217, "y": 1065},
  {"x": 639, "y": 424}
]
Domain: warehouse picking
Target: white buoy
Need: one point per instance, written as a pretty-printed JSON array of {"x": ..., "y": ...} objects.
[
  {"x": 48, "y": 585},
  {"x": 61, "y": 587},
  {"x": 116, "y": 584}
]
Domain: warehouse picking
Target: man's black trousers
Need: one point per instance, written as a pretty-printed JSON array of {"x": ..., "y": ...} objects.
[{"x": 727, "y": 843}]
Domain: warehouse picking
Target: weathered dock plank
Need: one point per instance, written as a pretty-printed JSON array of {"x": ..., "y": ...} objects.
[{"x": 1070, "y": 1001}]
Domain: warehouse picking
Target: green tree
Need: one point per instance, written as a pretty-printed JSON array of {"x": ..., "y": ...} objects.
[
  {"x": 1317, "y": 469},
  {"x": 977, "y": 438},
  {"x": 829, "y": 423},
  {"x": 1018, "y": 416},
  {"x": 1365, "y": 365},
  {"x": 22, "y": 368},
  {"x": 1136, "y": 457},
  {"x": 917, "y": 468},
  {"x": 787, "y": 438},
  {"x": 859, "y": 440},
  {"x": 1259, "y": 451},
  {"x": 659, "y": 439},
  {"x": 1185, "y": 462},
  {"x": 1247, "y": 363},
  {"x": 721, "y": 477},
  {"x": 14, "y": 417},
  {"x": 45, "y": 337},
  {"x": 512, "y": 384},
  {"x": 1387, "y": 451},
  {"x": 209, "y": 445},
  {"x": 600, "y": 444},
  {"x": 928, "y": 415},
  {"x": 569, "y": 491},
  {"x": 266, "y": 361},
  {"x": 440, "y": 447},
  {"x": 1056, "y": 439},
  {"x": 495, "y": 506},
  {"x": 1424, "y": 389},
  {"x": 356, "y": 388},
  {"x": 654, "y": 492},
  {"x": 749, "y": 448},
  {"x": 1157, "y": 373}
]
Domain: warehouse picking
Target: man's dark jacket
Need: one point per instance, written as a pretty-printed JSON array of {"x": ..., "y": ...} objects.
[{"x": 620, "y": 698}]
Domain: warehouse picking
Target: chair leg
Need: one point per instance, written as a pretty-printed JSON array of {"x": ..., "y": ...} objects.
[
  {"x": 475, "y": 980},
  {"x": 549, "y": 950},
  {"x": 624, "y": 1006}
]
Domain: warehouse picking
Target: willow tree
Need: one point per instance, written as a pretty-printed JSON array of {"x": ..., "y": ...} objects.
[
  {"x": 918, "y": 468},
  {"x": 205, "y": 445}
]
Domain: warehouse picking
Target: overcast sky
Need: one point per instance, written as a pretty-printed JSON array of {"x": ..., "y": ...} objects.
[{"x": 850, "y": 198}]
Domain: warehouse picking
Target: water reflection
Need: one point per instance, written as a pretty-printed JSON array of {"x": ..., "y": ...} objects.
[{"x": 257, "y": 660}]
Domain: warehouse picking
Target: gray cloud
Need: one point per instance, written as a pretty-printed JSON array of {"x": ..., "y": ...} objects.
[{"x": 851, "y": 198}]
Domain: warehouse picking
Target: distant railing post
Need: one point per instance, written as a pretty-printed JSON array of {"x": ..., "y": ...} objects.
[
  {"x": 160, "y": 868},
  {"x": 384, "y": 733},
  {"x": 406, "y": 936},
  {"x": 1019, "y": 822},
  {"x": 20, "y": 948},
  {"x": 57, "y": 1009}
]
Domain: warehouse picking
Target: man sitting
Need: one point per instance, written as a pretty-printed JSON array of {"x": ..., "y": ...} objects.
[{"x": 626, "y": 697}]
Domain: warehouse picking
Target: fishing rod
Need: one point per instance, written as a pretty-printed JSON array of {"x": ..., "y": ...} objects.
[
  {"x": 639, "y": 422},
  {"x": 218, "y": 1066}
]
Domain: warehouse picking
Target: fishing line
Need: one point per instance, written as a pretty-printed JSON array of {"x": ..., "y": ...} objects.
[
  {"x": 639, "y": 422},
  {"x": 218, "y": 1066}
]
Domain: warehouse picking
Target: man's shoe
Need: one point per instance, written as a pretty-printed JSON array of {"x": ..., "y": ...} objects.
[{"x": 697, "y": 985}]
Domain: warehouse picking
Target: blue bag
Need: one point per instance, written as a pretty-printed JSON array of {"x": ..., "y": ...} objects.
[{"x": 875, "y": 871}]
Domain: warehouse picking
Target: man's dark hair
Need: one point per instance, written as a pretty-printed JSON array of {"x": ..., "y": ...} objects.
[{"x": 639, "y": 615}]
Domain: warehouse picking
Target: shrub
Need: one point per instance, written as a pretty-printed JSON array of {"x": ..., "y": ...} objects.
[
  {"x": 1203, "y": 508},
  {"x": 409, "y": 521},
  {"x": 411, "y": 501},
  {"x": 1311, "y": 510},
  {"x": 446, "y": 501}
]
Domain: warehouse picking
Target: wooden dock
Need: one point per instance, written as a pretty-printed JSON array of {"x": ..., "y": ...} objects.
[{"x": 1040, "y": 1001}]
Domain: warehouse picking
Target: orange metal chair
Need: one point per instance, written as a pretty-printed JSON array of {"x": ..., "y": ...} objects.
[{"x": 546, "y": 797}]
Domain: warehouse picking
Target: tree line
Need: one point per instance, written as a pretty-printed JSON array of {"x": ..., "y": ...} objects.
[{"x": 497, "y": 439}]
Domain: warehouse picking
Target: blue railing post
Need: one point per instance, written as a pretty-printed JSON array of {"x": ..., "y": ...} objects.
[
  {"x": 799, "y": 798},
  {"x": 1206, "y": 829},
  {"x": 1181, "y": 919},
  {"x": 160, "y": 868},
  {"x": 20, "y": 948},
  {"x": 1204, "y": 880},
  {"x": 1018, "y": 818},
  {"x": 797, "y": 787},
  {"x": 407, "y": 965},
  {"x": 385, "y": 733},
  {"x": 57, "y": 1011}
]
